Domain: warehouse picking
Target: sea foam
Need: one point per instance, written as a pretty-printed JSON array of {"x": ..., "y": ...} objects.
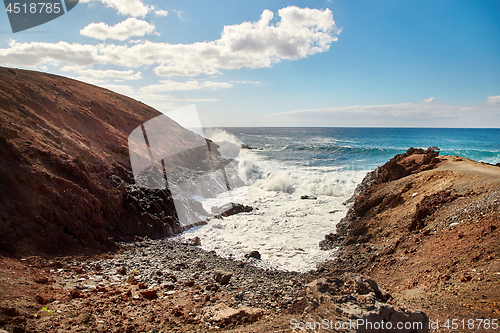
[{"x": 284, "y": 228}]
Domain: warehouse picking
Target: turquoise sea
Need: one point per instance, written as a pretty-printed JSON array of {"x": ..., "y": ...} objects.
[{"x": 366, "y": 148}]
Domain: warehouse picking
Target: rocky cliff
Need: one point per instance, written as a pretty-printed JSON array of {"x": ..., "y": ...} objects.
[
  {"x": 65, "y": 167},
  {"x": 426, "y": 228}
]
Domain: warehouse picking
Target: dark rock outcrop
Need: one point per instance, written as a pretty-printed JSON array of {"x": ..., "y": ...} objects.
[
  {"x": 351, "y": 228},
  {"x": 231, "y": 209},
  {"x": 427, "y": 206},
  {"x": 359, "y": 299}
]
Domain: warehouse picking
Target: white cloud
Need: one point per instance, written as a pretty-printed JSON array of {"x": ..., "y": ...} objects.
[
  {"x": 36, "y": 53},
  {"x": 493, "y": 100},
  {"x": 196, "y": 100},
  {"x": 135, "y": 8},
  {"x": 257, "y": 83},
  {"x": 429, "y": 100},
  {"x": 300, "y": 33},
  {"x": 422, "y": 109},
  {"x": 121, "y": 31},
  {"x": 96, "y": 76},
  {"x": 169, "y": 85},
  {"x": 421, "y": 114},
  {"x": 180, "y": 14},
  {"x": 158, "y": 100},
  {"x": 161, "y": 12}
]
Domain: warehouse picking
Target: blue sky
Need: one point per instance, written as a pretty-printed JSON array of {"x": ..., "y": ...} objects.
[{"x": 281, "y": 63}]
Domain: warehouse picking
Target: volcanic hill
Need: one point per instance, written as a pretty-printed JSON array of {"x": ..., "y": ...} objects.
[{"x": 65, "y": 168}]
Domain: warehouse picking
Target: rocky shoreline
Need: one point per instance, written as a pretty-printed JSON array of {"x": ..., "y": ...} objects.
[
  {"x": 426, "y": 228},
  {"x": 421, "y": 234}
]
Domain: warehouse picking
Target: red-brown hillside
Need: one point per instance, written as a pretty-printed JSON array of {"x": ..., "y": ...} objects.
[{"x": 65, "y": 169}]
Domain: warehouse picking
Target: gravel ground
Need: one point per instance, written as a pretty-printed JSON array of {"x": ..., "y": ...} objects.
[{"x": 168, "y": 265}]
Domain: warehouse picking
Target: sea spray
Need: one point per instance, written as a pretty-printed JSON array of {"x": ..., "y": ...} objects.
[
  {"x": 324, "y": 164},
  {"x": 284, "y": 228}
]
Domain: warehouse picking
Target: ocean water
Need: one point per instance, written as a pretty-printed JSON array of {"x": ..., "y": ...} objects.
[{"x": 322, "y": 163}]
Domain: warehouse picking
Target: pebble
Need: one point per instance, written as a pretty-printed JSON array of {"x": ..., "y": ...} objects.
[{"x": 183, "y": 267}]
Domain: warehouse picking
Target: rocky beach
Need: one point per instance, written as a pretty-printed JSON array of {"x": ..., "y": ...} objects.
[
  {"x": 419, "y": 241},
  {"x": 164, "y": 285}
]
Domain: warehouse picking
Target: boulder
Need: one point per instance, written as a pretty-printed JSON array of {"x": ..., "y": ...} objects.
[
  {"x": 223, "y": 277},
  {"x": 231, "y": 209},
  {"x": 195, "y": 241},
  {"x": 222, "y": 314},
  {"x": 149, "y": 294},
  {"x": 359, "y": 299},
  {"x": 253, "y": 254}
]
